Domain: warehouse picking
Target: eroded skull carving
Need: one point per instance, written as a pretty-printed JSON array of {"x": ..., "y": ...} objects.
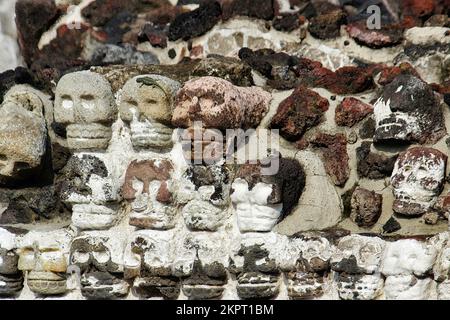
[
  {"x": 357, "y": 261},
  {"x": 85, "y": 105},
  {"x": 404, "y": 261},
  {"x": 149, "y": 259},
  {"x": 207, "y": 106},
  {"x": 417, "y": 179},
  {"x": 261, "y": 201},
  {"x": 306, "y": 280},
  {"x": 204, "y": 193},
  {"x": 44, "y": 257},
  {"x": 257, "y": 271},
  {"x": 99, "y": 255},
  {"x": 149, "y": 188},
  {"x": 201, "y": 261},
  {"x": 90, "y": 185},
  {"x": 147, "y": 104},
  {"x": 11, "y": 279},
  {"x": 23, "y": 134},
  {"x": 408, "y": 111}
]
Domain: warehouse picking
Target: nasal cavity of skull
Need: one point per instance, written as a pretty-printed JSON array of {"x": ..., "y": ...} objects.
[
  {"x": 101, "y": 256},
  {"x": 138, "y": 186}
]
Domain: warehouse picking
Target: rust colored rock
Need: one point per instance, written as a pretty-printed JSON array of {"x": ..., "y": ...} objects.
[
  {"x": 418, "y": 8},
  {"x": 219, "y": 104},
  {"x": 155, "y": 34},
  {"x": 33, "y": 18},
  {"x": 333, "y": 149},
  {"x": 287, "y": 22},
  {"x": 388, "y": 35},
  {"x": 438, "y": 20},
  {"x": 366, "y": 207},
  {"x": 350, "y": 111},
  {"x": 349, "y": 80},
  {"x": 192, "y": 24},
  {"x": 147, "y": 171},
  {"x": 372, "y": 165},
  {"x": 327, "y": 26},
  {"x": 388, "y": 74},
  {"x": 298, "y": 113}
]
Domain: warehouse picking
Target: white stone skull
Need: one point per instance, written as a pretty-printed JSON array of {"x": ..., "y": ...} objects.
[
  {"x": 417, "y": 179},
  {"x": 407, "y": 257},
  {"x": 147, "y": 103},
  {"x": 407, "y": 287},
  {"x": 23, "y": 132},
  {"x": 44, "y": 256},
  {"x": 360, "y": 286},
  {"x": 84, "y": 103},
  {"x": 92, "y": 188}
]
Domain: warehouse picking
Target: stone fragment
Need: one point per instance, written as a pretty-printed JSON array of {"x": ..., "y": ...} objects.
[
  {"x": 23, "y": 135},
  {"x": 359, "y": 286},
  {"x": 350, "y": 111},
  {"x": 287, "y": 22},
  {"x": 387, "y": 36},
  {"x": 431, "y": 217},
  {"x": 388, "y": 74},
  {"x": 261, "y": 201},
  {"x": 85, "y": 105},
  {"x": 391, "y": 226},
  {"x": 155, "y": 34},
  {"x": 261, "y": 9},
  {"x": 219, "y": 104},
  {"x": 418, "y": 8},
  {"x": 334, "y": 152},
  {"x": 438, "y": 20},
  {"x": 367, "y": 129},
  {"x": 11, "y": 279},
  {"x": 366, "y": 207},
  {"x": 373, "y": 165},
  {"x": 417, "y": 180},
  {"x": 195, "y": 23},
  {"x": 327, "y": 26},
  {"x": 298, "y": 113},
  {"x": 146, "y": 105},
  {"x": 112, "y": 54},
  {"x": 408, "y": 111}
]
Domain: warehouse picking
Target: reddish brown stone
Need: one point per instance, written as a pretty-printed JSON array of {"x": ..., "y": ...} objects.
[
  {"x": 164, "y": 195},
  {"x": 388, "y": 74},
  {"x": 350, "y": 80},
  {"x": 333, "y": 149},
  {"x": 418, "y": 8},
  {"x": 262, "y": 9},
  {"x": 299, "y": 112},
  {"x": 156, "y": 35},
  {"x": 388, "y": 35},
  {"x": 366, "y": 207},
  {"x": 33, "y": 18},
  {"x": 350, "y": 111}
]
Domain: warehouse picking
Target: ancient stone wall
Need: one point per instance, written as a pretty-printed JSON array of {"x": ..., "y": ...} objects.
[{"x": 225, "y": 149}]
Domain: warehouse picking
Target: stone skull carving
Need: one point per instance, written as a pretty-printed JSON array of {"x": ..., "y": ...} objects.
[
  {"x": 207, "y": 106},
  {"x": 261, "y": 201},
  {"x": 99, "y": 255},
  {"x": 417, "y": 179},
  {"x": 408, "y": 111},
  {"x": 23, "y": 134},
  {"x": 204, "y": 194},
  {"x": 257, "y": 271},
  {"x": 406, "y": 263},
  {"x": 201, "y": 261},
  {"x": 306, "y": 279},
  {"x": 44, "y": 257},
  {"x": 149, "y": 188},
  {"x": 84, "y": 104},
  {"x": 90, "y": 185},
  {"x": 11, "y": 279},
  {"x": 147, "y": 104},
  {"x": 357, "y": 261},
  {"x": 149, "y": 259}
]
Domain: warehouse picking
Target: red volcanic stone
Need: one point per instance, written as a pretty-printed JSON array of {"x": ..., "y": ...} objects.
[
  {"x": 287, "y": 22},
  {"x": 387, "y": 36},
  {"x": 155, "y": 34},
  {"x": 261, "y": 9},
  {"x": 299, "y": 112},
  {"x": 327, "y": 26},
  {"x": 333, "y": 149},
  {"x": 366, "y": 207},
  {"x": 350, "y": 111},
  {"x": 349, "y": 80},
  {"x": 418, "y": 8},
  {"x": 373, "y": 165},
  {"x": 388, "y": 74},
  {"x": 99, "y": 12},
  {"x": 33, "y": 18}
]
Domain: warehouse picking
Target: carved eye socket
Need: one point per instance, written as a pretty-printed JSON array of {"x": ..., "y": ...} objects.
[
  {"x": 21, "y": 166},
  {"x": 80, "y": 257},
  {"x": 407, "y": 168},
  {"x": 66, "y": 101},
  {"x": 101, "y": 256},
  {"x": 87, "y": 97},
  {"x": 152, "y": 101}
]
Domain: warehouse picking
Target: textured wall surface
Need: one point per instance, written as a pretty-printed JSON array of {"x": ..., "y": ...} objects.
[{"x": 224, "y": 150}]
